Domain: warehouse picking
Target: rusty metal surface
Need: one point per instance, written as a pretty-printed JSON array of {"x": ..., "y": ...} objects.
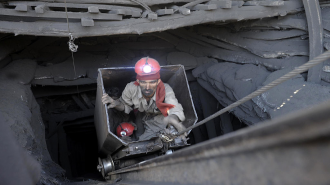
[
  {"x": 290, "y": 150},
  {"x": 107, "y": 142},
  {"x": 118, "y": 77}
]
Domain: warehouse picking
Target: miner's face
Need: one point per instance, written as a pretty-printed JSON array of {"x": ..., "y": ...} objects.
[{"x": 148, "y": 87}]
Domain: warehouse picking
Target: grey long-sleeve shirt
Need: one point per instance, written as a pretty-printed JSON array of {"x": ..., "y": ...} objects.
[{"x": 132, "y": 95}]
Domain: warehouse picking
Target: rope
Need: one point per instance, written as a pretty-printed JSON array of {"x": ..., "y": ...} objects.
[
  {"x": 72, "y": 47},
  {"x": 317, "y": 60}
]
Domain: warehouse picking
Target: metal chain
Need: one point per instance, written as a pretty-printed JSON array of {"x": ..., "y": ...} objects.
[{"x": 317, "y": 60}]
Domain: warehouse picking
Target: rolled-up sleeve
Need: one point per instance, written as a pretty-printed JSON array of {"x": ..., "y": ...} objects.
[
  {"x": 171, "y": 99},
  {"x": 126, "y": 99}
]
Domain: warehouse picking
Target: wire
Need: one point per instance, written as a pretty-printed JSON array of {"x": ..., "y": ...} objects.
[
  {"x": 72, "y": 46},
  {"x": 317, "y": 60}
]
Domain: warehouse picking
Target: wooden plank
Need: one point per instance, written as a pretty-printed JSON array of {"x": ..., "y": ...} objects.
[
  {"x": 204, "y": 7},
  {"x": 221, "y": 4},
  {"x": 53, "y": 14},
  {"x": 79, "y": 103},
  {"x": 87, "y": 100},
  {"x": 41, "y": 9},
  {"x": 72, "y": 5},
  {"x": 183, "y": 11},
  {"x": 264, "y": 3},
  {"x": 22, "y": 8},
  {"x": 165, "y": 11},
  {"x": 271, "y": 3},
  {"x": 87, "y": 22},
  {"x": 119, "y": 12},
  {"x": 122, "y": 2},
  {"x": 93, "y": 9},
  {"x": 139, "y": 26},
  {"x": 315, "y": 30}
]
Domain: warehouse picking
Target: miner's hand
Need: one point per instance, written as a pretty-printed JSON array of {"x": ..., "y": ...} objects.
[
  {"x": 174, "y": 120},
  {"x": 106, "y": 99}
]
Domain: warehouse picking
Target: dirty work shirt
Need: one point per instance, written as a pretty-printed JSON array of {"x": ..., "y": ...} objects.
[{"x": 153, "y": 119}]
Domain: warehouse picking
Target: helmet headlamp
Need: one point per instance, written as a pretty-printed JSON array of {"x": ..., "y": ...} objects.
[{"x": 147, "y": 68}]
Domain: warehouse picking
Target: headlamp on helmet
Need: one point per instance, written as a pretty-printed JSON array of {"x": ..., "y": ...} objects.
[{"x": 147, "y": 66}]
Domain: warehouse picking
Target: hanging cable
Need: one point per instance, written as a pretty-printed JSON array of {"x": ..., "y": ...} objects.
[
  {"x": 72, "y": 46},
  {"x": 317, "y": 60}
]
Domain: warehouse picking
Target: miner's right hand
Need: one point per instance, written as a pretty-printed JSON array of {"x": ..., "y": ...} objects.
[{"x": 106, "y": 99}]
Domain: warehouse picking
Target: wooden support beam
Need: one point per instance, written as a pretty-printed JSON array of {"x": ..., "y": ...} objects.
[
  {"x": 139, "y": 26},
  {"x": 73, "y": 5},
  {"x": 87, "y": 22},
  {"x": 264, "y": 3},
  {"x": 93, "y": 9},
  {"x": 79, "y": 103},
  {"x": 41, "y": 9},
  {"x": 237, "y": 3},
  {"x": 87, "y": 100},
  {"x": 204, "y": 7},
  {"x": 22, "y": 8},
  {"x": 53, "y": 14},
  {"x": 183, "y": 11},
  {"x": 271, "y": 3},
  {"x": 315, "y": 29},
  {"x": 152, "y": 16},
  {"x": 122, "y": 2},
  {"x": 118, "y": 12},
  {"x": 221, "y": 4},
  {"x": 165, "y": 11}
]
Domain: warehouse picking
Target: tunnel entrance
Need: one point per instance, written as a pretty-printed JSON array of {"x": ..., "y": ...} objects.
[{"x": 68, "y": 115}]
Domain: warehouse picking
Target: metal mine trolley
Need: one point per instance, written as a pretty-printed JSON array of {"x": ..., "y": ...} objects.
[{"x": 116, "y": 153}]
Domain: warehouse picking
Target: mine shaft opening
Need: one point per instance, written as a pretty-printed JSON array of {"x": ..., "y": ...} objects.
[{"x": 66, "y": 93}]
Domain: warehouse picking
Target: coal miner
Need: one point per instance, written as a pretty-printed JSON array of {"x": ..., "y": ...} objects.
[{"x": 155, "y": 101}]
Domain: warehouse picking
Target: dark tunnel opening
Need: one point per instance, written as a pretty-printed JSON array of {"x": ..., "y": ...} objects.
[{"x": 69, "y": 129}]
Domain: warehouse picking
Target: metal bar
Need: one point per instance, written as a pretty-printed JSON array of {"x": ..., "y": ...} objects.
[
  {"x": 289, "y": 150},
  {"x": 316, "y": 123}
]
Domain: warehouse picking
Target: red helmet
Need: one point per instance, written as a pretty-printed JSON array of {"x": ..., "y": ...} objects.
[
  {"x": 146, "y": 66},
  {"x": 124, "y": 129}
]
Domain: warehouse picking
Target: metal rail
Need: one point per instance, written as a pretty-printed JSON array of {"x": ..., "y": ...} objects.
[{"x": 290, "y": 150}]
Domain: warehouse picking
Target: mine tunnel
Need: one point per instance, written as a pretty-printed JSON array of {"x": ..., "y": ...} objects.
[{"x": 50, "y": 55}]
